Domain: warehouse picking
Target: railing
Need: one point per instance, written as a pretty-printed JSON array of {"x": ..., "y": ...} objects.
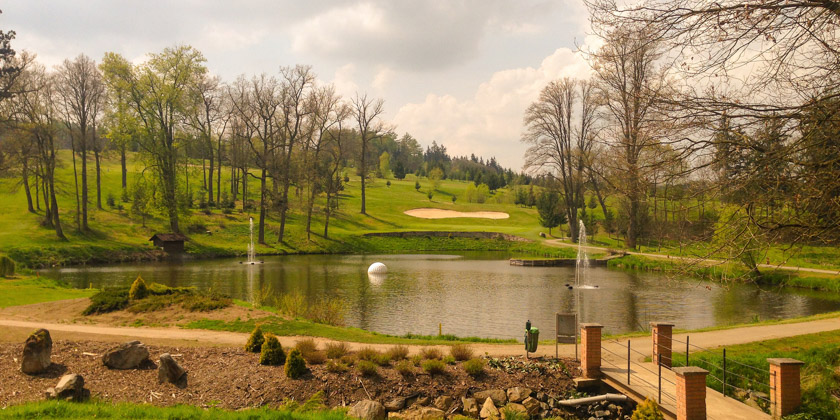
[{"x": 642, "y": 366}]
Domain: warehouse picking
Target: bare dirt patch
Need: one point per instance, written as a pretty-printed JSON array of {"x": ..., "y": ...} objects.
[
  {"x": 429, "y": 213},
  {"x": 231, "y": 378}
]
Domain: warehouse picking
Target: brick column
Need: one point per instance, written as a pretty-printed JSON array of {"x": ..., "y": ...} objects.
[
  {"x": 786, "y": 393},
  {"x": 661, "y": 335},
  {"x": 691, "y": 393},
  {"x": 590, "y": 339}
]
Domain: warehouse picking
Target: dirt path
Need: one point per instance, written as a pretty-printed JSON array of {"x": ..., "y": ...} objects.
[{"x": 559, "y": 244}]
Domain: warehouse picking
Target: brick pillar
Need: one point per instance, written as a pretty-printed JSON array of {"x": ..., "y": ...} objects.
[
  {"x": 590, "y": 339},
  {"x": 691, "y": 393},
  {"x": 661, "y": 335},
  {"x": 786, "y": 393}
]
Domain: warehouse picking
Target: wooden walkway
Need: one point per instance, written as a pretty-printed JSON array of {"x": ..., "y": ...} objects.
[{"x": 644, "y": 383}]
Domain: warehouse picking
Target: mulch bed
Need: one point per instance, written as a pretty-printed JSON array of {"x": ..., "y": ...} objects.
[{"x": 231, "y": 378}]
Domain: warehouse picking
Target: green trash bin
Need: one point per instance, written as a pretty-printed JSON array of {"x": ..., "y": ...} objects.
[{"x": 532, "y": 338}]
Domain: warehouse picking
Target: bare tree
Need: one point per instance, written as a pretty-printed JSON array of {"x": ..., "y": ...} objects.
[
  {"x": 206, "y": 115},
  {"x": 326, "y": 113},
  {"x": 367, "y": 115},
  {"x": 333, "y": 182}
]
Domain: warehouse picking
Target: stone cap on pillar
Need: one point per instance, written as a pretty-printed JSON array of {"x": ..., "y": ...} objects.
[
  {"x": 784, "y": 361},
  {"x": 590, "y": 325},
  {"x": 661, "y": 324},
  {"x": 690, "y": 371}
]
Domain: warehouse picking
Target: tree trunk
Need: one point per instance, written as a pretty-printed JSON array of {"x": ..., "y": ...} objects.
[
  {"x": 97, "y": 156},
  {"x": 219, "y": 173},
  {"x": 364, "y": 152},
  {"x": 84, "y": 182},
  {"x": 76, "y": 182},
  {"x": 327, "y": 218},
  {"x": 25, "y": 173},
  {"x": 262, "y": 209},
  {"x": 123, "y": 167}
]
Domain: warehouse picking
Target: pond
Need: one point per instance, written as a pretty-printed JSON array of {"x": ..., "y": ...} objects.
[{"x": 472, "y": 294}]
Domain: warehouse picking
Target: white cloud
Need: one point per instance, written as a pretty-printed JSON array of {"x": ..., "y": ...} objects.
[{"x": 489, "y": 123}]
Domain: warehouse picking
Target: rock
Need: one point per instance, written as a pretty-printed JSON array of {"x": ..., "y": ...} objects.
[
  {"x": 421, "y": 413},
  {"x": 420, "y": 401},
  {"x": 532, "y": 405},
  {"x": 518, "y": 393},
  {"x": 395, "y": 404},
  {"x": 519, "y": 408},
  {"x": 470, "y": 407},
  {"x": 552, "y": 403},
  {"x": 170, "y": 371},
  {"x": 544, "y": 406},
  {"x": 126, "y": 356},
  {"x": 542, "y": 397},
  {"x": 444, "y": 402},
  {"x": 367, "y": 410},
  {"x": 498, "y": 396},
  {"x": 602, "y": 413},
  {"x": 69, "y": 387},
  {"x": 37, "y": 352},
  {"x": 488, "y": 410}
]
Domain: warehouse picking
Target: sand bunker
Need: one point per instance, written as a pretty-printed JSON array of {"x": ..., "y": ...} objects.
[{"x": 447, "y": 214}]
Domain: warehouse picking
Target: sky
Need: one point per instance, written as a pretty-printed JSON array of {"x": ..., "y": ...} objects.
[{"x": 457, "y": 72}]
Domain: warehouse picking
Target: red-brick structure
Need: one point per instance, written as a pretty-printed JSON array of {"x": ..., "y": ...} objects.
[
  {"x": 691, "y": 393},
  {"x": 785, "y": 391},
  {"x": 590, "y": 360},
  {"x": 661, "y": 335}
]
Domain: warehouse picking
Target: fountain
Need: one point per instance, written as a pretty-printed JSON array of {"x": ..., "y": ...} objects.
[
  {"x": 252, "y": 250},
  {"x": 582, "y": 263}
]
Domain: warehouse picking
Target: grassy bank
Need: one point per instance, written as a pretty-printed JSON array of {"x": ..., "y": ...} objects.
[
  {"x": 69, "y": 410},
  {"x": 27, "y": 290}
]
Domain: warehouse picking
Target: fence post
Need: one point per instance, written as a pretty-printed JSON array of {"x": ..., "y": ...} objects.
[
  {"x": 691, "y": 393},
  {"x": 686, "y": 350},
  {"x": 786, "y": 394},
  {"x": 661, "y": 335},
  {"x": 590, "y": 361},
  {"x": 628, "y": 362}
]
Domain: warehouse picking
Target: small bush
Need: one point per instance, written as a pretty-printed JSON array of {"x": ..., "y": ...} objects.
[
  {"x": 398, "y": 352},
  {"x": 433, "y": 366},
  {"x": 336, "y": 350},
  {"x": 348, "y": 360},
  {"x": 255, "y": 341},
  {"x": 306, "y": 346},
  {"x": 271, "y": 353},
  {"x": 366, "y": 368},
  {"x": 336, "y": 367},
  {"x": 461, "y": 352},
  {"x": 416, "y": 359},
  {"x": 511, "y": 414},
  {"x": 138, "y": 289},
  {"x": 404, "y": 368},
  {"x": 383, "y": 359},
  {"x": 316, "y": 358},
  {"x": 368, "y": 353},
  {"x": 449, "y": 360},
  {"x": 648, "y": 410},
  {"x": 431, "y": 353},
  {"x": 474, "y": 367},
  {"x": 295, "y": 365},
  {"x": 108, "y": 300},
  {"x": 7, "y": 266},
  {"x": 205, "y": 302}
]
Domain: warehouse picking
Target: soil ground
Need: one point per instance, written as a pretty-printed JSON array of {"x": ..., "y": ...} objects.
[{"x": 427, "y": 213}]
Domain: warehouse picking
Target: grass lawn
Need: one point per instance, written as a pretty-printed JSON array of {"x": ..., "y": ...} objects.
[{"x": 28, "y": 290}]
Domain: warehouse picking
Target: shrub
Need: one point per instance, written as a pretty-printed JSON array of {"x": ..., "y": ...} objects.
[
  {"x": 138, "y": 289},
  {"x": 111, "y": 200},
  {"x": 272, "y": 353},
  {"x": 433, "y": 366},
  {"x": 366, "y": 368},
  {"x": 306, "y": 346},
  {"x": 316, "y": 358},
  {"x": 417, "y": 185},
  {"x": 368, "y": 353},
  {"x": 336, "y": 350},
  {"x": 512, "y": 414},
  {"x": 416, "y": 359},
  {"x": 382, "y": 359},
  {"x": 255, "y": 341},
  {"x": 648, "y": 410},
  {"x": 461, "y": 352},
  {"x": 431, "y": 353},
  {"x": 405, "y": 368},
  {"x": 449, "y": 360},
  {"x": 204, "y": 302},
  {"x": 348, "y": 360},
  {"x": 295, "y": 365},
  {"x": 108, "y": 300},
  {"x": 336, "y": 367},
  {"x": 398, "y": 352},
  {"x": 474, "y": 367},
  {"x": 7, "y": 266},
  {"x": 388, "y": 183}
]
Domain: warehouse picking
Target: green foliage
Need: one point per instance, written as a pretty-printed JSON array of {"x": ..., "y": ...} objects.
[
  {"x": 417, "y": 185},
  {"x": 337, "y": 350},
  {"x": 255, "y": 341},
  {"x": 512, "y": 414},
  {"x": 449, "y": 360},
  {"x": 476, "y": 194},
  {"x": 461, "y": 352},
  {"x": 295, "y": 365},
  {"x": 271, "y": 353},
  {"x": 548, "y": 206},
  {"x": 404, "y": 368},
  {"x": 474, "y": 367},
  {"x": 399, "y": 352},
  {"x": 367, "y": 368},
  {"x": 108, "y": 300},
  {"x": 7, "y": 266},
  {"x": 138, "y": 289},
  {"x": 648, "y": 410},
  {"x": 336, "y": 367},
  {"x": 309, "y": 349},
  {"x": 433, "y": 366}
]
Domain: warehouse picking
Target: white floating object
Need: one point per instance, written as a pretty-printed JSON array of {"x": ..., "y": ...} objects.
[
  {"x": 377, "y": 268},
  {"x": 377, "y": 279}
]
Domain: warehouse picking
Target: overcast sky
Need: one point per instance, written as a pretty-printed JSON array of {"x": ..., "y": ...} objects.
[{"x": 458, "y": 72}]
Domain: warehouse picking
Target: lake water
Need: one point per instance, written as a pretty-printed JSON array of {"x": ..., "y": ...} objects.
[{"x": 472, "y": 294}]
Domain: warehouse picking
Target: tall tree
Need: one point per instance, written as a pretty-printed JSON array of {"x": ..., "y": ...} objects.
[
  {"x": 367, "y": 115},
  {"x": 326, "y": 113},
  {"x": 80, "y": 88},
  {"x": 206, "y": 115},
  {"x": 120, "y": 119}
]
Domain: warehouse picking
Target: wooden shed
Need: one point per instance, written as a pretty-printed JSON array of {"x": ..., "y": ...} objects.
[{"x": 171, "y": 243}]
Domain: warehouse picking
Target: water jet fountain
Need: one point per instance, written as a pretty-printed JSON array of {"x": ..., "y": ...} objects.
[{"x": 252, "y": 251}]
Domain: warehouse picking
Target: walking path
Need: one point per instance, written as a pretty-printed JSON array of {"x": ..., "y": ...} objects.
[{"x": 559, "y": 243}]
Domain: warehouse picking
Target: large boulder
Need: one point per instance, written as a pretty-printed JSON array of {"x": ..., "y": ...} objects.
[
  {"x": 37, "y": 351},
  {"x": 367, "y": 410},
  {"x": 126, "y": 356},
  {"x": 70, "y": 387},
  {"x": 170, "y": 371},
  {"x": 518, "y": 393},
  {"x": 489, "y": 410},
  {"x": 470, "y": 407},
  {"x": 498, "y": 396}
]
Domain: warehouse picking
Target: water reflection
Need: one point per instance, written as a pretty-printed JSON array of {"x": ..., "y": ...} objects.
[{"x": 473, "y": 293}]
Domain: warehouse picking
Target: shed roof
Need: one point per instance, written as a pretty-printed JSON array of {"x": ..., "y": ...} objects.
[{"x": 169, "y": 237}]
